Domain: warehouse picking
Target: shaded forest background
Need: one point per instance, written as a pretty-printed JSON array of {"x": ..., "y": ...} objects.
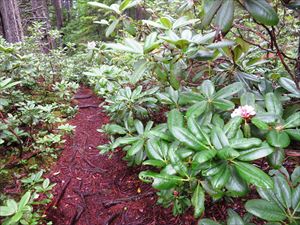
[{"x": 73, "y": 18}]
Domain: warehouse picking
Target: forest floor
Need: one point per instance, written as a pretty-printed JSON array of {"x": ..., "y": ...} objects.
[{"x": 94, "y": 189}]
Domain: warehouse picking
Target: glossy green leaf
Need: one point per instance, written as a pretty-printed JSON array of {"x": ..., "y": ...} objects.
[
  {"x": 253, "y": 175},
  {"x": 283, "y": 191},
  {"x": 210, "y": 9},
  {"x": 219, "y": 138},
  {"x": 289, "y": 85},
  {"x": 292, "y": 121},
  {"x": 224, "y": 17},
  {"x": 111, "y": 28},
  {"x": 151, "y": 42},
  {"x": 293, "y": 133},
  {"x": 24, "y": 200},
  {"x": 204, "y": 156},
  {"x": 197, "y": 109},
  {"x": 278, "y": 139},
  {"x": 186, "y": 137},
  {"x": 296, "y": 199},
  {"x": 245, "y": 143},
  {"x": 221, "y": 178},
  {"x": 197, "y": 130},
  {"x": 259, "y": 123},
  {"x": 154, "y": 150},
  {"x": 136, "y": 147},
  {"x": 248, "y": 98},
  {"x": 262, "y": 12},
  {"x": 198, "y": 199},
  {"x": 227, "y": 153},
  {"x": 175, "y": 118},
  {"x": 256, "y": 153},
  {"x": 154, "y": 162},
  {"x": 176, "y": 162},
  {"x": 273, "y": 104},
  {"x": 208, "y": 222},
  {"x": 221, "y": 44},
  {"x": 160, "y": 181},
  {"x": 232, "y": 126},
  {"x": 229, "y": 90},
  {"x": 207, "y": 88},
  {"x": 265, "y": 210},
  {"x": 223, "y": 104},
  {"x": 234, "y": 218},
  {"x": 236, "y": 186},
  {"x": 276, "y": 158}
]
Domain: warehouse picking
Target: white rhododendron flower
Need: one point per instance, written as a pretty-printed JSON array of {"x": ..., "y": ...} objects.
[
  {"x": 245, "y": 112},
  {"x": 91, "y": 45}
]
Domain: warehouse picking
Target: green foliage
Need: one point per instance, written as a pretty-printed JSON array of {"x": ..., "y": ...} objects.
[
  {"x": 280, "y": 203},
  {"x": 227, "y": 105}
]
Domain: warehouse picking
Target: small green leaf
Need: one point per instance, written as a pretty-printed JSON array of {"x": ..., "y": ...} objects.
[
  {"x": 227, "y": 153},
  {"x": 175, "y": 118},
  {"x": 289, "y": 85},
  {"x": 223, "y": 104},
  {"x": 276, "y": 158},
  {"x": 208, "y": 222},
  {"x": 296, "y": 198},
  {"x": 221, "y": 178},
  {"x": 278, "y": 139},
  {"x": 198, "y": 199},
  {"x": 229, "y": 90},
  {"x": 236, "y": 186},
  {"x": 111, "y": 28},
  {"x": 234, "y": 218},
  {"x": 204, "y": 156},
  {"x": 283, "y": 191},
  {"x": 245, "y": 143},
  {"x": 292, "y": 121},
  {"x": 219, "y": 138},
  {"x": 232, "y": 126},
  {"x": 160, "y": 181},
  {"x": 273, "y": 104},
  {"x": 24, "y": 200},
  {"x": 136, "y": 147},
  {"x": 187, "y": 138}
]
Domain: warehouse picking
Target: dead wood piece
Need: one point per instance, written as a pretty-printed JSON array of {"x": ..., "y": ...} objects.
[
  {"x": 113, "y": 217},
  {"x": 83, "y": 96},
  {"x": 16, "y": 162},
  {"x": 88, "y": 106},
  {"x": 77, "y": 215},
  {"x": 293, "y": 153},
  {"x": 108, "y": 204},
  {"x": 63, "y": 190}
]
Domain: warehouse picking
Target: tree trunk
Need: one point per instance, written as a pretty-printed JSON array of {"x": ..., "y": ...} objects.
[
  {"x": 40, "y": 13},
  {"x": 58, "y": 11},
  {"x": 11, "y": 21}
]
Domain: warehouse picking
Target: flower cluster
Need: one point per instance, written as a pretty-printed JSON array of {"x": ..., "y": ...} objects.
[{"x": 245, "y": 112}]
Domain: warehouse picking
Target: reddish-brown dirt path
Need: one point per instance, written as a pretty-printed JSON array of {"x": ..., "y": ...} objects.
[{"x": 93, "y": 189}]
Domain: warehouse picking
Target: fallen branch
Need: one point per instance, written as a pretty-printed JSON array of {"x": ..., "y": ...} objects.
[
  {"x": 113, "y": 217},
  {"x": 108, "y": 204},
  {"x": 63, "y": 190}
]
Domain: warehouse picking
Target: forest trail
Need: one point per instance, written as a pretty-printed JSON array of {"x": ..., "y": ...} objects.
[{"x": 93, "y": 189}]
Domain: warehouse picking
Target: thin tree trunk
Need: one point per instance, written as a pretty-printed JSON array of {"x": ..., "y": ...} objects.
[
  {"x": 11, "y": 21},
  {"x": 58, "y": 11}
]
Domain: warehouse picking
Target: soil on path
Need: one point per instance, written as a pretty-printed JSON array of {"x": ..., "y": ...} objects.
[{"x": 93, "y": 189}]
